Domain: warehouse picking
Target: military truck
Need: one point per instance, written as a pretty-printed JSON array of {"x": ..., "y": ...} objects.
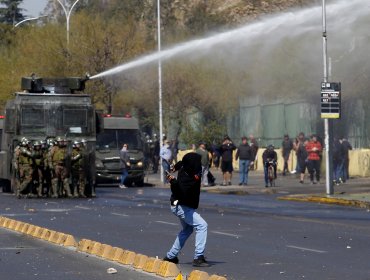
[
  {"x": 119, "y": 130},
  {"x": 49, "y": 108}
]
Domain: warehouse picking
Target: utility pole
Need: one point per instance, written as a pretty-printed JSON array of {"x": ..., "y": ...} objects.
[
  {"x": 327, "y": 123},
  {"x": 160, "y": 85}
]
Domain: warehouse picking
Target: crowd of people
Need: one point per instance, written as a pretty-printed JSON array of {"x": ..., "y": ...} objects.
[
  {"x": 308, "y": 152},
  {"x": 47, "y": 169}
]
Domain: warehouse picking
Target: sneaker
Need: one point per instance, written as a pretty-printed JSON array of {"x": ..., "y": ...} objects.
[
  {"x": 174, "y": 260},
  {"x": 293, "y": 172},
  {"x": 245, "y": 184},
  {"x": 266, "y": 186},
  {"x": 229, "y": 183},
  {"x": 223, "y": 184},
  {"x": 122, "y": 186},
  {"x": 200, "y": 262},
  {"x": 240, "y": 184},
  {"x": 301, "y": 181}
]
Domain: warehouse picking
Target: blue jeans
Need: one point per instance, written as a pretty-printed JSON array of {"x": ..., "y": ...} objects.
[
  {"x": 166, "y": 167},
  {"x": 124, "y": 175},
  {"x": 189, "y": 220},
  {"x": 243, "y": 170},
  {"x": 339, "y": 170}
]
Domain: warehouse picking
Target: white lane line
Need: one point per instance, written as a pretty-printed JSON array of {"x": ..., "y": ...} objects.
[
  {"x": 166, "y": 223},
  {"x": 306, "y": 249},
  {"x": 13, "y": 215},
  {"x": 226, "y": 234},
  {"x": 83, "y": 207},
  {"x": 57, "y": 210},
  {"x": 119, "y": 214},
  {"x": 15, "y": 248}
]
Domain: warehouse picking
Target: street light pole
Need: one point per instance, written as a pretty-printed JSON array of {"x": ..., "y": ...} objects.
[
  {"x": 160, "y": 83},
  {"x": 68, "y": 15},
  {"x": 327, "y": 122},
  {"x": 28, "y": 19}
]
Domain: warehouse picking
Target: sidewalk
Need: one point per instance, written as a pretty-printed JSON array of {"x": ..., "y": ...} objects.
[{"x": 355, "y": 192}]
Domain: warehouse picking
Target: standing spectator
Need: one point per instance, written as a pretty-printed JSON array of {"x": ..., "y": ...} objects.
[
  {"x": 287, "y": 146},
  {"x": 166, "y": 157},
  {"x": 338, "y": 162},
  {"x": 302, "y": 159},
  {"x": 347, "y": 146},
  {"x": 205, "y": 162},
  {"x": 184, "y": 202},
  {"x": 226, "y": 150},
  {"x": 244, "y": 154},
  {"x": 215, "y": 154},
  {"x": 299, "y": 140},
  {"x": 124, "y": 163},
  {"x": 156, "y": 151},
  {"x": 254, "y": 150},
  {"x": 269, "y": 157},
  {"x": 314, "y": 150},
  {"x": 174, "y": 149}
]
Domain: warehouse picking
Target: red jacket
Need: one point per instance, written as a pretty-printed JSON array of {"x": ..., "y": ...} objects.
[{"x": 313, "y": 149}]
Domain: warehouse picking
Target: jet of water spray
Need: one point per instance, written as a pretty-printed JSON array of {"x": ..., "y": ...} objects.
[{"x": 273, "y": 29}]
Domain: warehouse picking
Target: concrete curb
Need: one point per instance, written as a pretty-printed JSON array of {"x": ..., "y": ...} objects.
[
  {"x": 326, "y": 200},
  {"x": 104, "y": 251}
]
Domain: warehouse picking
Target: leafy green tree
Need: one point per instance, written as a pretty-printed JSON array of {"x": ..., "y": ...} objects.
[{"x": 10, "y": 12}]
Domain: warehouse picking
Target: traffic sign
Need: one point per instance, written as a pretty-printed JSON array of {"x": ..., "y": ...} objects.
[{"x": 330, "y": 100}]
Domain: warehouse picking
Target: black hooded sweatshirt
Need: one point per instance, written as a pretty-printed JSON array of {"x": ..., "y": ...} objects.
[{"x": 186, "y": 188}]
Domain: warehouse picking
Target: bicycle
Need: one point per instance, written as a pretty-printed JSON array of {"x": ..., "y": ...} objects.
[{"x": 271, "y": 173}]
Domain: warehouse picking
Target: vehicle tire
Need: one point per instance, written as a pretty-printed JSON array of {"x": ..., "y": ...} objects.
[
  {"x": 6, "y": 186},
  {"x": 128, "y": 183},
  {"x": 139, "y": 183}
]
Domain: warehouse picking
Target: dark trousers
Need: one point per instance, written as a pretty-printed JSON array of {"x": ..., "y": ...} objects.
[{"x": 313, "y": 167}]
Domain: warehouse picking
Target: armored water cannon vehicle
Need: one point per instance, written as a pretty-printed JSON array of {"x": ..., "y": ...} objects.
[
  {"x": 34, "y": 84},
  {"x": 48, "y": 108}
]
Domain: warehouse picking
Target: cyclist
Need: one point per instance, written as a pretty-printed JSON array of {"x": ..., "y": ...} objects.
[{"x": 269, "y": 157}]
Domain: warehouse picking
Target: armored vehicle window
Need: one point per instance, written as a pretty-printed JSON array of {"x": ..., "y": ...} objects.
[
  {"x": 33, "y": 117},
  {"x": 75, "y": 117},
  {"x": 114, "y": 138},
  {"x": 10, "y": 121}
]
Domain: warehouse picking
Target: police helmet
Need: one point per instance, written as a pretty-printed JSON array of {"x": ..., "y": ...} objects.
[
  {"x": 50, "y": 142},
  {"x": 24, "y": 141},
  {"x": 76, "y": 142},
  {"x": 59, "y": 139},
  {"x": 36, "y": 143},
  {"x": 271, "y": 147}
]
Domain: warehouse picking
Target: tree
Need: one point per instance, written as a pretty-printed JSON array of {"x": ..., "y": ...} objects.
[{"x": 11, "y": 13}]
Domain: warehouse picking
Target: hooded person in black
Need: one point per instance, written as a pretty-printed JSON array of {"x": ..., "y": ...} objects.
[{"x": 184, "y": 201}]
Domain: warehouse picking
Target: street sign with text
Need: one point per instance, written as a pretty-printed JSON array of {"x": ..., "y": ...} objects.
[{"x": 330, "y": 100}]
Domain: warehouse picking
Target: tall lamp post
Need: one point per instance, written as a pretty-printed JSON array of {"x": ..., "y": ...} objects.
[
  {"x": 327, "y": 122},
  {"x": 27, "y": 19},
  {"x": 67, "y": 13},
  {"x": 160, "y": 83}
]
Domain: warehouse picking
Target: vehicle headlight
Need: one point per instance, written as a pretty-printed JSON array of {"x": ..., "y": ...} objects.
[
  {"x": 99, "y": 164},
  {"x": 139, "y": 164}
]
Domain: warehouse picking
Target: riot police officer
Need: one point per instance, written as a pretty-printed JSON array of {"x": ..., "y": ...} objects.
[
  {"x": 38, "y": 167},
  {"x": 78, "y": 170},
  {"x": 24, "y": 161},
  {"x": 58, "y": 158}
]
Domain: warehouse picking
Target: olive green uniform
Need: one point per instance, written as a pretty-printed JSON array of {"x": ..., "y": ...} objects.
[
  {"x": 78, "y": 172},
  {"x": 57, "y": 163},
  {"x": 25, "y": 168},
  {"x": 38, "y": 159}
]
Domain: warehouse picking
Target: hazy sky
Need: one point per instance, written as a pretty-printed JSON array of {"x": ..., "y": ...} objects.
[{"x": 33, "y": 7}]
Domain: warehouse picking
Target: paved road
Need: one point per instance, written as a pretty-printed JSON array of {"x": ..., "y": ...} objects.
[
  {"x": 26, "y": 258},
  {"x": 250, "y": 236}
]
